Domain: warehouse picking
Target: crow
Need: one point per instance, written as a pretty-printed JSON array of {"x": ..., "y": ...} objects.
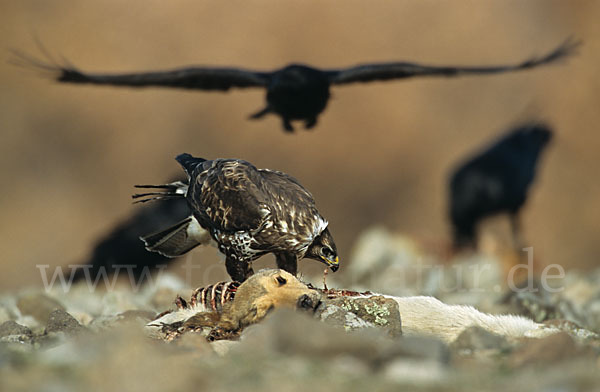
[
  {"x": 495, "y": 181},
  {"x": 121, "y": 249},
  {"x": 294, "y": 92}
]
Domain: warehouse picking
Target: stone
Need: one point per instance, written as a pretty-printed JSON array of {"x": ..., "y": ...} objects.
[
  {"x": 163, "y": 298},
  {"x": 38, "y": 305},
  {"x": 61, "y": 321},
  {"x": 553, "y": 349},
  {"x": 11, "y": 332},
  {"x": 574, "y": 330},
  {"x": 134, "y": 315},
  {"x": 222, "y": 347},
  {"x": 291, "y": 332},
  {"x": 373, "y": 311},
  {"x": 12, "y": 328},
  {"x": 5, "y": 314},
  {"x": 477, "y": 338}
]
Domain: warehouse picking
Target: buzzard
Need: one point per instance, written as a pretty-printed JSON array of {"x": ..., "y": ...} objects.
[
  {"x": 294, "y": 92},
  {"x": 495, "y": 181},
  {"x": 247, "y": 212}
]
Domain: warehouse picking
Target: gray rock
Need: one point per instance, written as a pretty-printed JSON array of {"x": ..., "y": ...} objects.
[
  {"x": 386, "y": 262},
  {"x": 477, "y": 338},
  {"x": 361, "y": 312},
  {"x": 223, "y": 347},
  {"x": 593, "y": 314},
  {"x": 393, "y": 264},
  {"x": 5, "y": 314},
  {"x": 38, "y": 305},
  {"x": 425, "y": 373},
  {"x": 12, "y": 328},
  {"x": 136, "y": 317},
  {"x": 553, "y": 349},
  {"x": 575, "y": 331},
  {"x": 61, "y": 321},
  {"x": 163, "y": 298},
  {"x": 338, "y": 317},
  {"x": 11, "y": 332},
  {"x": 291, "y": 332}
]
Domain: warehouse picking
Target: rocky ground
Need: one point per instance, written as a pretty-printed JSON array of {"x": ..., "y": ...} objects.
[{"x": 98, "y": 340}]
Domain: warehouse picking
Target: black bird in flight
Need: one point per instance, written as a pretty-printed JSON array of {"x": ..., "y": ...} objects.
[
  {"x": 247, "y": 212},
  {"x": 495, "y": 181},
  {"x": 294, "y": 92}
]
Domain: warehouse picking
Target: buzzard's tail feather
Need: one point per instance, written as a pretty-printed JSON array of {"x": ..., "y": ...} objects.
[
  {"x": 174, "y": 190},
  {"x": 189, "y": 163},
  {"x": 176, "y": 240}
]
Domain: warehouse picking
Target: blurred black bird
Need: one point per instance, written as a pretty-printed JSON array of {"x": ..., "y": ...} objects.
[
  {"x": 295, "y": 92},
  {"x": 247, "y": 212},
  {"x": 121, "y": 249},
  {"x": 494, "y": 181}
]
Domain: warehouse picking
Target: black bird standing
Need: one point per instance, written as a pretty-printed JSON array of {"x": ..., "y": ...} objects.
[
  {"x": 121, "y": 249},
  {"x": 495, "y": 181},
  {"x": 295, "y": 92},
  {"x": 247, "y": 212}
]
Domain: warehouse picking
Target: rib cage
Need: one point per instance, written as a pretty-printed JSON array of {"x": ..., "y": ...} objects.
[{"x": 215, "y": 296}]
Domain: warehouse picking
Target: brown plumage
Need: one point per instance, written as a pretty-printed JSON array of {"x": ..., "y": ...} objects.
[{"x": 247, "y": 212}]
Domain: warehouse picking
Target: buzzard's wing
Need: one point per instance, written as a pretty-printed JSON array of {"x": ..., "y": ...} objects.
[
  {"x": 387, "y": 71},
  {"x": 201, "y": 78},
  {"x": 286, "y": 191},
  {"x": 229, "y": 196}
]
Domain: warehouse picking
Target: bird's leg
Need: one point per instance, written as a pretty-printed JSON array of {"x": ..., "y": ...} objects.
[
  {"x": 464, "y": 237},
  {"x": 287, "y": 125},
  {"x": 287, "y": 262},
  {"x": 260, "y": 113},
  {"x": 238, "y": 270},
  {"x": 311, "y": 122}
]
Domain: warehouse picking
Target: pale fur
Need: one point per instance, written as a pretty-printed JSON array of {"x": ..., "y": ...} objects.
[
  {"x": 260, "y": 294},
  {"x": 420, "y": 315},
  {"x": 430, "y": 316},
  {"x": 253, "y": 300}
]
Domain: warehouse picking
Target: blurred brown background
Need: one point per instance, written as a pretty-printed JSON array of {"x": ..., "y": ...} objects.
[{"x": 379, "y": 155}]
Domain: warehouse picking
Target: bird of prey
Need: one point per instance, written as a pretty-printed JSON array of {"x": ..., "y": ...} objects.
[
  {"x": 121, "y": 250},
  {"x": 247, "y": 212},
  {"x": 294, "y": 92},
  {"x": 494, "y": 181}
]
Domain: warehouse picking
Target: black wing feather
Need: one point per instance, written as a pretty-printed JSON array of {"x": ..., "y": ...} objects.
[
  {"x": 200, "y": 78},
  {"x": 400, "y": 70},
  {"x": 196, "y": 78}
]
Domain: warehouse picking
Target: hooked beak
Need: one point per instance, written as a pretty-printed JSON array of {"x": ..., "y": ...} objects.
[{"x": 332, "y": 264}]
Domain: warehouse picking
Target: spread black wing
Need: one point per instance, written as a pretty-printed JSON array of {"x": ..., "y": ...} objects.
[
  {"x": 200, "y": 78},
  {"x": 400, "y": 70}
]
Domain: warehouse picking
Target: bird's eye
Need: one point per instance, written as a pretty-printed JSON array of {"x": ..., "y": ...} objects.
[
  {"x": 281, "y": 280},
  {"x": 326, "y": 252}
]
